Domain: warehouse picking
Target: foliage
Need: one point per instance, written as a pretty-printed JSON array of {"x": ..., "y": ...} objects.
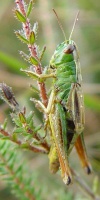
[
  {"x": 26, "y": 133},
  {"x": 14, "y": 171}
]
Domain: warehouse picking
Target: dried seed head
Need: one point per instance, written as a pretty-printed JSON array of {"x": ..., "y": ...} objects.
[{"x": 7, "y": 95}]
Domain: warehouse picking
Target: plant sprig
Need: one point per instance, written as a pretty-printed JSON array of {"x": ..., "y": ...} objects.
[
  {"x": 28, "y": 35},
  {"x": 13, "y": 171}
]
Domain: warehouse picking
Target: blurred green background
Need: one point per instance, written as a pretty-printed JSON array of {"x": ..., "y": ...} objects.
[{"x": 87, "y": 37}]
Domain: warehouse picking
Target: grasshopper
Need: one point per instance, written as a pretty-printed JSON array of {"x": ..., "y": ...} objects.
[{"x": 65, "y": 111}]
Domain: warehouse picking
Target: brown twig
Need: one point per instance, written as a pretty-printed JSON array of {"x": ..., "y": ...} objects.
[
  {"x": 43, "y": 142},
  {"x": 20, "y": 143}
]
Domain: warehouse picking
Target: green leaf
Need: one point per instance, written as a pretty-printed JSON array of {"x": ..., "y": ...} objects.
[
  {"x": 15, "y": 168},
  {"x": 38, "y": 128},
  {"x": 20, "y": 16},
  {"x": 11, "y": 159},
  {"x": 5, "y": 138},
  {"x": 31, "y": 74},
  {"x": 4, "y": 152},
  {"x": 25, "y": 145},
  {"x": 19, "y": 130},
  {"x": 19, "y": 170},
  {"x": 22, "y": 118},
  {"x": 17, "y": 122},
  {"x": 2, "y": 144},
  {"x": 30, "y": 6},
  {"x": 42, "y": 53},
  {"x": 34, "y": 61},
  {"x": 32, "y": 37},
  {"x": 21, "y": 37},
  {"x": 14, "y": 136},
  {"x": 30, "y": 117},
  {"x": 5, "y": 124},
  {"x": 28, "y": 137}
]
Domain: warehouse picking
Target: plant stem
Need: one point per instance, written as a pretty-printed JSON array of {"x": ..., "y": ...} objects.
[
  {"x": 33, "y": 51},
  {"x": 84, "y": 186},
  {"x": 20, "y": 143}
]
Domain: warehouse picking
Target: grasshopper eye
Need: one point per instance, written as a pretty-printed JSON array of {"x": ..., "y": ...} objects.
[{"x": 70, "y": 48}]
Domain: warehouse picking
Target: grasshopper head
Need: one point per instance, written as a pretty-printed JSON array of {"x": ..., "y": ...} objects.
[{"x": 64, "y": 53}]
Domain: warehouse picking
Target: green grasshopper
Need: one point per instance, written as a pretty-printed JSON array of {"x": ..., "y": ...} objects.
[{"x": 65, "y": 111}]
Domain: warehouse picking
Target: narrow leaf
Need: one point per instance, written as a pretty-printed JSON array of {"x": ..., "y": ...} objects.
[
  {"x": 6, "y": 138},
  {"x": 31, "y": 74},
  {"x": 20, "y": 16},
  {"x": 38, "y": 128},
  {"x": 16, "y": 121},
  {"x": 32, "y": 37},
  {"x": 5, "y": 124},
  {"x": 25, "y": 145},
  {"x": 11, "y": 159},
  {"x": 22, "y": 118},
  {"x": 28, "y": 137},
  {"x": 30, "y": 6},
  {"x": 21, "y": 37},
  {"x": 19, "y": 169},
  {"x": 19, "y": 130},
  {"x": 30, "y": 117},
  {"x": 42, "y": 52},
  {"x": 34, "y": 61},
  {"x": 14, "y": 136}
]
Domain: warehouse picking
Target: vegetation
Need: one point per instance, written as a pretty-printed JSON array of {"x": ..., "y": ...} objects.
[{"x": 23, "y": 160}]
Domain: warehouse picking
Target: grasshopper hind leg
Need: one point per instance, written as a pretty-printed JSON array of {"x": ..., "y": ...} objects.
[
  {"x": 75, "y": 105},
  {"x": 81, "y": 150}
]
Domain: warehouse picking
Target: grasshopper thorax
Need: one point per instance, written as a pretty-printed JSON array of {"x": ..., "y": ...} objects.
[{"x": 64, "y": 53}]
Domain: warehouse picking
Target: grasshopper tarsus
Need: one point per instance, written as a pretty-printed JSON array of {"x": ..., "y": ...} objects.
[
  {"x": 69, "y": 180},
  {"x": 88, "y": 170}
]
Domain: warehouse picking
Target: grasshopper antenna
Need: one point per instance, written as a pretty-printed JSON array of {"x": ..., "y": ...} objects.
[
  {"x": 61, "y": 27},
  {"x": 75, "y": 21}
]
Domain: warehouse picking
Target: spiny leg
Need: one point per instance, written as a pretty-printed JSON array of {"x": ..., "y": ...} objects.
[
  {"x": 81, "y": 150},
  {"x": 78, "y": 108},
  {"x": 40, "y": 106},
  {"x": 58, "y": 126},
  {"x": 75, "y": 110},
  {"x": 76, "y": 105}
]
